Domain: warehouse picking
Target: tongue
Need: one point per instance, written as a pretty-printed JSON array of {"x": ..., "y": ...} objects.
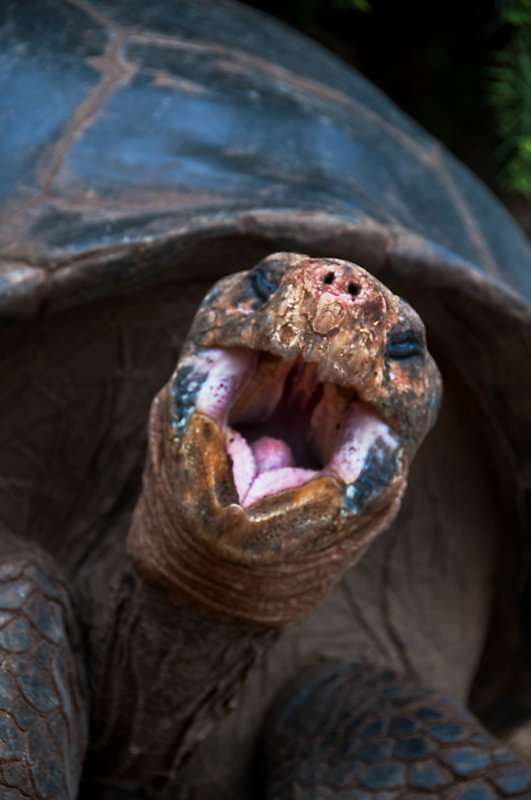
[
  {"x": 276, "y": 480},
  {"x": 270, "y": 453},
  {"x": 266, "y": 467}
]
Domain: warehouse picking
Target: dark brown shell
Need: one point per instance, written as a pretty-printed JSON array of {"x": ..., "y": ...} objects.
[{"x": 149, "y": 148}]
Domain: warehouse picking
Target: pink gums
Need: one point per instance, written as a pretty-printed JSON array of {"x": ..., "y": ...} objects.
[{"x": 361, "y": 427}]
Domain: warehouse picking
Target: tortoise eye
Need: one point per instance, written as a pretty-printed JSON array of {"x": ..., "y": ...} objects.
[
  {"x": 404, "y": 344},
  {"x": 264, "y": 282}
]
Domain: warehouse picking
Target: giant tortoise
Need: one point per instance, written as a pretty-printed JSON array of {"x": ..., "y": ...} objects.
[{"x": 148, "y": 149}]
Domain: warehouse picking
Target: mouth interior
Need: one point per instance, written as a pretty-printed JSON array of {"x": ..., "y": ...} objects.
[
  {"x": 289, "y": 425},
  {"x": 284, "y": 427}
]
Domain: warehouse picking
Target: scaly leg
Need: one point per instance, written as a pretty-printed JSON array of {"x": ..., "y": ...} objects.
[
  {"x": 365, "y": 733},
  {"x": 43, "y": 703}
]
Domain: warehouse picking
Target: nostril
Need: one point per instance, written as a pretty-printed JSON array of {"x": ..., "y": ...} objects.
[
  {"x": 329, "y": 277},
  {"x": 353, "y": 289}
]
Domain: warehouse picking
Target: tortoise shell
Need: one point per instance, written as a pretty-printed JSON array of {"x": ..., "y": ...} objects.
[{"x": 148, "y": 149}]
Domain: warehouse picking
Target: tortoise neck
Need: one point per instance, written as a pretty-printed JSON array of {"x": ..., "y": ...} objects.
[{"x": 161, "y": 675}]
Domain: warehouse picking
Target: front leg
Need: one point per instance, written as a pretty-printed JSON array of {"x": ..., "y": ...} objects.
[
  {"x": 43, "y": 697},
  {"x": 367, "y": 733}
]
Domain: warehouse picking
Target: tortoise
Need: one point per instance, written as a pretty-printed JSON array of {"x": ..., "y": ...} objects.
[{"x": 149, "y": 150}]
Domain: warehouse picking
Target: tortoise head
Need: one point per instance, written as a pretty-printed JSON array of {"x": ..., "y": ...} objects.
[{"x": 281, "y": 445}]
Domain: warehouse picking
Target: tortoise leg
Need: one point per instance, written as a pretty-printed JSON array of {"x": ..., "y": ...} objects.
[
  {"x": 43, "y": 708},
  {"x": 364, "y": 733}
]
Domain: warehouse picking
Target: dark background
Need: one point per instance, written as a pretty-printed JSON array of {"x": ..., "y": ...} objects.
[{"x": 431, "y": 58}]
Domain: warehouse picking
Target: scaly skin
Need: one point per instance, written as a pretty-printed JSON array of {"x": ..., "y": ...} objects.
[
  {"x": 43, "y": 692},
  {"x": 359, "y": 732}
]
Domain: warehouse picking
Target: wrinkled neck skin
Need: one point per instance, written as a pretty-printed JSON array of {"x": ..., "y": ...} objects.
[
  {"x": 161, "y": 676},
  {"x": 277, "y": 452}
]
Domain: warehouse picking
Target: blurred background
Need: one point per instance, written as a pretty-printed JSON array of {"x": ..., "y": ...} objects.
[{"x": 461, "y": 68}]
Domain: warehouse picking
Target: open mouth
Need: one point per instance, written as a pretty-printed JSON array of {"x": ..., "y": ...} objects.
[{"x": 282, "y": 425}]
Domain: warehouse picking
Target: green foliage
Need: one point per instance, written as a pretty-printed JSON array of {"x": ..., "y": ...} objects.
[
  {"x": 353, "y": 5},
  {"x": 510, "y": 96}
]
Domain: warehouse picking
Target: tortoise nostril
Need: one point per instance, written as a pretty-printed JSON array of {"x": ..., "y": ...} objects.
[
  {"x": 329, "y": 277},
  {"x": 353, "y": 289}
]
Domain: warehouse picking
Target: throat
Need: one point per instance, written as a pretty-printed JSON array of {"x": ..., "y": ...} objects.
[{"x": 287, "y": 430}]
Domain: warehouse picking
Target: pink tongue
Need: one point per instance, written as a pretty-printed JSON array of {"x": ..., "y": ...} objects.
[
  {"x": 270, "y": 453},
  {"x": 267, "y": 467},
  {"x": 276, "y": 480}
]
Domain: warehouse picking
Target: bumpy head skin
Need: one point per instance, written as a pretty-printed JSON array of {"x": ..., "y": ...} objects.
[{"x": 281, "y": 445}]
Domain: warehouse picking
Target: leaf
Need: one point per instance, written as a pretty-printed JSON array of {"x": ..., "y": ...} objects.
[{"x": 509, "y": 94}]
